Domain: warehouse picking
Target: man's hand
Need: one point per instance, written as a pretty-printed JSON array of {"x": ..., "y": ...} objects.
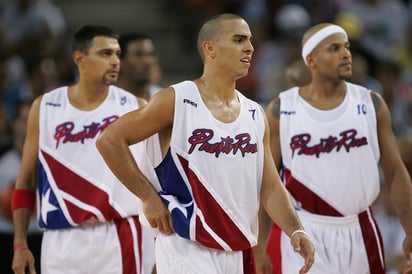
[
  {"x": 263, "y": 263},
  {"x": 303, "y": 245},
  {"x": 23, "y": 258},
  {"x": 158, "y": 215},
  {"x": 407, "y": 250}
]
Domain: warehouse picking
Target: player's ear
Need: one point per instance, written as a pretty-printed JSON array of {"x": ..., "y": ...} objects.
[
  {"x": 309, "y": 59},
  {"x": 77, "y": 57},
  {"x": 209, "y": 49}
]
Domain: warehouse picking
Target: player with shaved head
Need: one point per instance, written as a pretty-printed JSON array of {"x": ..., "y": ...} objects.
[{"x": 217, "y": 167}]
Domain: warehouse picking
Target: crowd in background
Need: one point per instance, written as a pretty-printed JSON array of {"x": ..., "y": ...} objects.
[{"x": 34, "y": 59}]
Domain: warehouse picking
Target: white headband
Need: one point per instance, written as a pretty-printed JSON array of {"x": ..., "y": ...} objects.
[{"x": 318, "y": 37}]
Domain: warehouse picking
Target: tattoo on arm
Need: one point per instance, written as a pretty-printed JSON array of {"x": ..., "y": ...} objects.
[{"x": 376, "y": 101}]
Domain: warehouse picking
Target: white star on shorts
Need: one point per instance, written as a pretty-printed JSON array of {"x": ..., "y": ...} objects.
[{"x": 46, "y": 206}]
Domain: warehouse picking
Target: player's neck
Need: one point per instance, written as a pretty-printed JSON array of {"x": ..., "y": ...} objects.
[
  {"x": 86, "y": 97},
  {"x": 327, "y": 89},
  {"x": 220, "y": 89},
  {"x": 324, "y": 96}
]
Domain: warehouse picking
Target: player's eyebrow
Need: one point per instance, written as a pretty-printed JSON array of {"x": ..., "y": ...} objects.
[{"x": 242, "y": 36}]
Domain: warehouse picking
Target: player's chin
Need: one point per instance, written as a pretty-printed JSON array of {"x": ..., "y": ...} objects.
[
  {"x": 110, "y": 81},
  {"x": 242, "y": 73},
  {"x": 345, "y": 72},
  {"x": 345, "y": 76}
]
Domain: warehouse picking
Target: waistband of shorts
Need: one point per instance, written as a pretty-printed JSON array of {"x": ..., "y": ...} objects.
[{"x": 349, "y": 220}]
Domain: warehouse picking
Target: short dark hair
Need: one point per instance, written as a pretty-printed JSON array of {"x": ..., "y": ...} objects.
[
  {"x": 125, "y": 39},
  {"x": 83, "y": 37}
]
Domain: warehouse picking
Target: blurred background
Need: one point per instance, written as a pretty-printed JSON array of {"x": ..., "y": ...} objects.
[
  {"x": 35, "y": 57},
  {"x": 35, "y": 38}
]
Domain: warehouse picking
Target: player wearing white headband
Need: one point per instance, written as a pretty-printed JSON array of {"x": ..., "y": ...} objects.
[
  {"x": 330, "y": 138},
  {"x": 316, "y": 38}
]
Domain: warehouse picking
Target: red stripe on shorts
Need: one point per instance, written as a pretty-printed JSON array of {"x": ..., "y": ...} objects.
[
  {"x": 307, "y": 198},
  {"x": 126, "y": 239},
  {"x": 249, "y": 266},
  {"x": 273, "y": 249},
  {"x": 373, "y": 242},
  {"x": 139, "y": 240}
]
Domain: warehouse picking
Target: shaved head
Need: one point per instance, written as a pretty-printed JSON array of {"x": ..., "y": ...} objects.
[{"x": 212, "y": 28}]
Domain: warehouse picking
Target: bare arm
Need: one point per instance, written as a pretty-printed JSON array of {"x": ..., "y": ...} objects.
[
  {"x": 274, "y": 193},
  {"x": 26, "y": 180},
  {"x": 277, "y": 205},
  {"x": 272, "y": 113},
  {"x": 142, "y": 102},
  {"x": 394, "y": 170},
  {"x": 265, "y": 222},
  {"x": 131, "y": 128}
]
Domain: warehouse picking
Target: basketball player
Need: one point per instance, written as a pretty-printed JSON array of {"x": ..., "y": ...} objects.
[
  {"x": 138, "y": 58},
  {"x": 90, "y": 220},
  {"x": 217, "y": 164},
  {"x": 296, "y": 74},
  {"x": 330, "y": 137},
  {"x": 139, "y": 64}
]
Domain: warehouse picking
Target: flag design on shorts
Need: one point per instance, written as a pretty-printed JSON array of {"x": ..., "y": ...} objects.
[
  {"x": 196, "y": 214},
  {"x": 67, "y": 199},
  {"x": 79, "y": 200}
]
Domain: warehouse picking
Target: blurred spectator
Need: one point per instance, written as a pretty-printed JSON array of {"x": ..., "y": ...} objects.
[
  {"x": 24, "y": 31},
  {"x": 194, "y": 12},
  {"x": 31, "y": 34},
  {"x": 398, "y": 96},
  {"x": 56, "y": 22},
  {"x": 273, "y": 55},
  {"x": 259, "y": 18},
  {"x": 361, "y": 75},
  {"x": 5, "y": 132},
  {"x": 32, "y": 84},
  {"x": 402, "y": 53},
  {"x": 31, "y": 29},
  {"x": 39, "y": 76},
  {"x": 383, "y": 24},
  {"x": 63, "y": 69},
  {"x": 155, "y": 76},
  {"x": 391, "y": 231},
  {"x": 323, "y": 10},
  {"x": 354, "y": 29}
]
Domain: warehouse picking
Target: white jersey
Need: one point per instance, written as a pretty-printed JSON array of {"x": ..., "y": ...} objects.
[
  {"x": 343, "y": 141},
  {"x": 74, "y": 184},
  {"x": 211, "y": 177}
]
